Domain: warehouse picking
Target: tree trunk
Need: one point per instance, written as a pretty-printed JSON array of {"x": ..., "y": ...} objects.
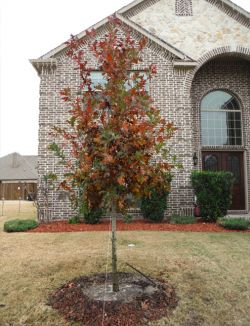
[{"x": 114, "y": 257}]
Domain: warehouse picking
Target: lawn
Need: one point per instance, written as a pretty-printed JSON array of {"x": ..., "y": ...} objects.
[{"x": 210, "y": 271}]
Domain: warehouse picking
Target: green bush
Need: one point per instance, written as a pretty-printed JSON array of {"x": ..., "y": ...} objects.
[
  {"x": 74, "y": 220},
  {"x": 19, "y": 225},
  {"x": 214, "y": 193},
  {"x": 175, "y": 219},
  {"x": 90, "y": 216},
  {"x": 93, "y": 215},
  {"x": 153, "y": 207},
  {"x": 127, "y": 218},
  {"x": 234, "y": 223}
]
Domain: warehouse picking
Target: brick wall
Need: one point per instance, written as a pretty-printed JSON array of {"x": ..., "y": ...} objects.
[
  {"x": 165, "y": 89},
  {"x": 230, "y": 74}
]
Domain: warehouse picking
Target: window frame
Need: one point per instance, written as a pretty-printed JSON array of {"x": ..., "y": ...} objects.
[
  {"x": 147, "y": 86},
  {"x": 239, "y": 110}
]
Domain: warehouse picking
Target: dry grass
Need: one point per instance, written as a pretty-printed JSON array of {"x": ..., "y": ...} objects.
[{"x": 211, "y": 272}]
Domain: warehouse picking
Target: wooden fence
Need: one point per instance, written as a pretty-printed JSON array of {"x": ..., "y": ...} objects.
[{"x": 17, "y": 190}]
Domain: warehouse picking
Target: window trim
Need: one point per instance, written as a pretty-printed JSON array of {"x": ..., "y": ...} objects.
[
  {"x": 240, "y": 106},
  {"x": 147, "y": 85}
]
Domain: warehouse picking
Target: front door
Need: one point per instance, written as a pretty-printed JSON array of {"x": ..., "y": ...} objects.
[{"x": 232, "y": 162}]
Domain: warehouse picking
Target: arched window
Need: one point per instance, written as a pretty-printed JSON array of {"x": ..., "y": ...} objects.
[{"x": 220, "y": 119}]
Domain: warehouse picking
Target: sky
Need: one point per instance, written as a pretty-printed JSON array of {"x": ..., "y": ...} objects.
[{"x": 29, "y": 29}]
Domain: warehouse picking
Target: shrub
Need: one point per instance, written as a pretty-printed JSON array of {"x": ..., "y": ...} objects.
[
  {"x": 19, "y": 225},
  {"x": 153, "y": 207},
  {"x": 175, "y": 219},
  {"x": 90, "y": 216},
  {"x": 74, "y": 220},
  {"x": 93, "y": 216},
  {"x": 127, "y": 218},
  {"x": 213, "y": 191},
  {"x": 234, "y": 223}
]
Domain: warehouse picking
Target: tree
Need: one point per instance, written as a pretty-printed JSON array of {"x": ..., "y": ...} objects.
[
  {"x": 46, "y": 185},
  {"x": 117, "y": 138}
]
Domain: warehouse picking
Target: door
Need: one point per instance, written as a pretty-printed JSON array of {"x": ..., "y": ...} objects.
[{"x": 234, "y": 163}]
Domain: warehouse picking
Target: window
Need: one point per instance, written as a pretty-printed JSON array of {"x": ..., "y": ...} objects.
[
  {"x": 141, "y": 73},
  {"x": 220, "y": 119},
  {"x": 97, "y": 78}
]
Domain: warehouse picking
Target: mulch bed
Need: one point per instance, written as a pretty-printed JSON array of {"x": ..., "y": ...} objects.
[
  {"x": 143, "y": 302},
  {"x": 138, "y": 225}
]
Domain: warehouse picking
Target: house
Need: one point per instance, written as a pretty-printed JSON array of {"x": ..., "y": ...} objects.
[
  {"x": 202, "y": 51},
  {"x": 18, "y": 177}
]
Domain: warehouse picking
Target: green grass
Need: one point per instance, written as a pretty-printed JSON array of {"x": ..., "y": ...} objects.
[{"x": 210, "y": 271}]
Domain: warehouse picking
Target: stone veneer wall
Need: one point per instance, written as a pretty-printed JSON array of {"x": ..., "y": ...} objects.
[
  {"x": 212, "y": 25},
  {"x": 165, "y": 90},
  {"x": 231, "y": 74}
]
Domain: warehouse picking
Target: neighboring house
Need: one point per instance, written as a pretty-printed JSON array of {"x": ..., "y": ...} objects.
[
  {"x": 18, "y": 177},
  {"x": 202, "y": 51}
]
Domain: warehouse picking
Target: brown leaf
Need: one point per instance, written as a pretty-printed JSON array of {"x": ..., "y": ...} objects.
[{"x": 145, "y": 305}]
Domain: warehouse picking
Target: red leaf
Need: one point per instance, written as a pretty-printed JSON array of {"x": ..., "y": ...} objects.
[
  {"x": 121, "y": 180},
  {"x": 109, "y": 58}
]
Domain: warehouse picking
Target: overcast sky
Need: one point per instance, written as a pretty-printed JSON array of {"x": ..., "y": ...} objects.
[{"x": 29, "y": 29}]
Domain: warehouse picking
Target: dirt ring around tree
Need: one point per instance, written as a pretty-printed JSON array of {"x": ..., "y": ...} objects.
[{"x": 90, "y": 300}]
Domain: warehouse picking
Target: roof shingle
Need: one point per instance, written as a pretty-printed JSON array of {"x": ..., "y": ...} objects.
[{"x": 17, "y": 167}]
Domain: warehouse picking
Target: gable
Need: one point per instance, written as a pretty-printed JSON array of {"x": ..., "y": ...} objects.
[
  {"x": 208, "y": 26},
  {"x": 47, "y": 60},
  {"x": 182, "y": 28}
]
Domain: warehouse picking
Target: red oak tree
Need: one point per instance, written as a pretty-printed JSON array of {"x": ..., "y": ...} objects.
[{"x": 117, "y": 138}]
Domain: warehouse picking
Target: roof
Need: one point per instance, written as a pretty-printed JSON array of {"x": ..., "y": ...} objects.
[
  {"x": 15, "y": 167},
  {"x": 122, "y": 14}
]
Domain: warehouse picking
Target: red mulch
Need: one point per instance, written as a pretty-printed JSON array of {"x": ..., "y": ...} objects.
[
  {"x": 138, "y": 225},
  {"x": 74, "y": 302}
]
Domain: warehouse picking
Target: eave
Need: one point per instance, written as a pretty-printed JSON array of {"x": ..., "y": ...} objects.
[
  {"x": 41, "y": 65},
  {"x": 184, "y": 64}
]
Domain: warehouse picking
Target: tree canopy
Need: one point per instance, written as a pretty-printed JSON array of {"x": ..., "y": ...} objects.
[{"x": 117, "y": 137}]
